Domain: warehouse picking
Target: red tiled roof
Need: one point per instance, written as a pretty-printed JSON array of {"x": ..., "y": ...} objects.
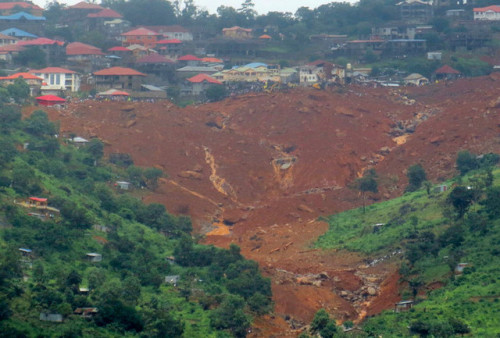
[
  {"x": 189, "y": 58},
  {"x": 26, "y": 76},
  {"x": 154, "y": 58},
  {"x": 168, "y": 41},
  {"x": 493, "y": 8},
  {"x": 265, "y": 36},
  {"x": 39, "y": 199},
  {"x": 11, "y": 48},
  {"x": 85, "y": 5},
  {"x": 40, "y": 42},
  {"x": 446, "y": 70},
  {"x": 237, "y": 28},
  {"x": 78, "y": 48},
  {"x": 105, "y": 13},
  {"x": 3, "y": 36},
  {"x": 120, "y": 71},
  {"x": 141, "y": 32},
  {"x": 202, "y": 78},
  {"x": 10, "y": 5},
  {"x": 49, "y": 70},
  {"x": 119, "y": 49},
  {"x": 212, "y": 60}
]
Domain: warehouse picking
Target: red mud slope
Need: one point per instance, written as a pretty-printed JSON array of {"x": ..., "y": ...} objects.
[{"x": 268, "y": 165}]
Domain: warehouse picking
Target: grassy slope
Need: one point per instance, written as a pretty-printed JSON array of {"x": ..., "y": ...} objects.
[{"x": 473, "y": 297}]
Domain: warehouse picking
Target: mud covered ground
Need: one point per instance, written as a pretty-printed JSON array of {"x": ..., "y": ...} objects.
[{"x": 258, "y": 170}]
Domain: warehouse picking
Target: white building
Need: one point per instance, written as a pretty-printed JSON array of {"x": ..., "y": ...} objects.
[
  {"x": 56, "y": 79},
  {"x": 491, "y": 13}
]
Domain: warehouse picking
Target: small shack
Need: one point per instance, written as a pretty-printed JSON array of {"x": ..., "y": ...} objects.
[
  {"x": 94, "y": 257},
  {"x": 25, "y": 252},
  {"x": 37, "y": 202},
  {"x": 86, "y": 312},
  {"x": 441, "y": 188},
  {"x": 123, "y": 185},
  {"x": 172, "y": 279},
  {"x": 79, "y": 141},
  {"x": 460, "y": 267},
  {"x": 403, "y": 305},
  {"x": 51, "y": 317}
]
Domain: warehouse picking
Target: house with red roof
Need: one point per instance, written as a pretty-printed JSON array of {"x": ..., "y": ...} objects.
[
  {"x": 170, "y": 47},
  {"x": 7, "y": 8},
  {"x": 84, "y": 57},
  {"x": 198, "y": 84},
  {"x": 7, "y": 40},
  {"x": 7, "y": 52},
  {"x": 118, "y": 78},
  {"x": 57, "y": 80},
  {"x": 490, "y": 13},
  {"x": 156, "y": 64},
  {"x": 446, "y": 73},
  {"x": 237, "y": 32},
  {"x": 54, "y": 50},
  {"x": 189, "y": 60},
  {"x": 172, "y": 32},
  {"x": 34, "y": 82},
  {"x": 140, "y": 36}
]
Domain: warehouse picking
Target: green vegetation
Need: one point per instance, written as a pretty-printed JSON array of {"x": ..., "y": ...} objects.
[
  {"x": 430, "y": 233},
  {"x": 210, "y": 292}
]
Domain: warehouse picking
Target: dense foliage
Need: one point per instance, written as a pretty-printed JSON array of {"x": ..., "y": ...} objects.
[
  {"x": 208, "y": 290},
  {"x": 430, "y": 233}
]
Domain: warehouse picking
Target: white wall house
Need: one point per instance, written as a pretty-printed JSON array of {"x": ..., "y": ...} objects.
[
  {"x": 491, "y": 13},
  {"x": 58, "y": 79}
]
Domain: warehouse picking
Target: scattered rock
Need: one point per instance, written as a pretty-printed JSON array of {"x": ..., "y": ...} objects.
[
  {"x": 305, "y": 208},
  {"x": 384, "y": 150},
  {"x": 198, "y": 168},
  {"x": 371, "y": 291},
  {"x": 190, "y": 174},
  {"x": 131, "y": 123}
]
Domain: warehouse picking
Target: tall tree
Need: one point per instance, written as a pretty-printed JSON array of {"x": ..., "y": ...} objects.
[{"x": 367, "y": 183}]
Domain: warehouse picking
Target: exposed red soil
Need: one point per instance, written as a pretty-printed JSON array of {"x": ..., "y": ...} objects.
[{"x": 269, "y": 164}]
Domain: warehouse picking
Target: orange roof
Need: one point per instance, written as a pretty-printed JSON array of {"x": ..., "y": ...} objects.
[
  {"x": 446, "y": 70},
  {"x": 141, "y": 32},
  {"x": 119, "y": 49},
  {"x": 40, "y": 42},
  {"x": 26, "y": 76},
  {"x": 154, "y": 58},
  {"x": 38, "y": 199},
  {"x": 85, "y": 5},
  {"x": 105, "y": 13},
  {"x": 265, "y": 36},
  {"x": 119, "y": 71},
  {"x": 49, "y": 70},
  {"x": 189, "y": 58},
  {"x": 212, "y": 60},
  {"x": 11, "y": 48},
  {"x": 168, "y": 41},
  {"x": 10, "y": 5},
  {"x": 203, "y": 78},
  {"x": 493, "y": 8},
  {"x": 78, "y": 48},
  {"x": 3, "y": 36},
  {"x": 237, "y": 28}
]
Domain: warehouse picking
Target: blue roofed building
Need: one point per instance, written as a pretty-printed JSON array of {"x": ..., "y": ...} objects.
[
  {"x": 18, "y": 33},
  {"x": 24, "y": 21}
]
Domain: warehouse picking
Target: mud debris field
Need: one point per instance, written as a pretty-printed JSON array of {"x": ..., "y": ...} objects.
[{"x": 258, "y": 170}]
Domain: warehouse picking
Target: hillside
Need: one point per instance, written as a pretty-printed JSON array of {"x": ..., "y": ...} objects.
[
  {"x": 257, "y": 170},
  {"x": 81, "y": 255}
]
